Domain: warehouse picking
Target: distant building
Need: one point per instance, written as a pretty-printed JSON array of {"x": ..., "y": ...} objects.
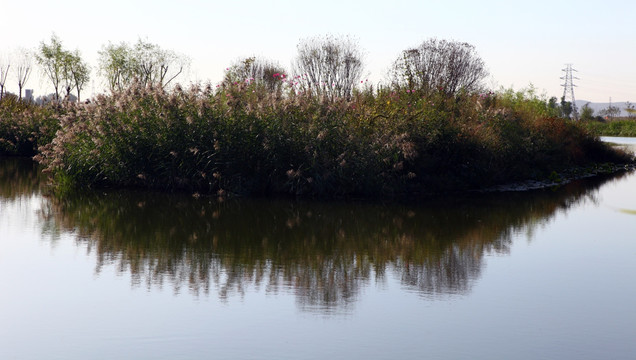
[{"x": 28, "y": 95}]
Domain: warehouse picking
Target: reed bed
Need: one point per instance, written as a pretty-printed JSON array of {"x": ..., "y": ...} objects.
[{"x": 244, "y": 138}]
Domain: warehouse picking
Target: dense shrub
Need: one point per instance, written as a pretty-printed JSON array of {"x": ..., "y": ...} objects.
[
  {"x": 240, "y": 138},
  {"x": 24, "y": 127}
]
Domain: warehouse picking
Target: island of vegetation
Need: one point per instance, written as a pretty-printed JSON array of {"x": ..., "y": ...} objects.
[{"x": 320, "y": 130}]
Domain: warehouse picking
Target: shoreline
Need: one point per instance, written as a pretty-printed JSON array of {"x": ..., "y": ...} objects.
[{"x": 560, "y": 178}]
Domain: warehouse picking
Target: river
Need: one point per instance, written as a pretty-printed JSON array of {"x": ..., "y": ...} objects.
[{"x": 547, "y": 274}]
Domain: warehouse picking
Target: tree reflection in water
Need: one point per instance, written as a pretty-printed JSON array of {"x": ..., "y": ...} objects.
[
  {"x": 18, "y": 178},
  {"x": 324, "y": 253}
]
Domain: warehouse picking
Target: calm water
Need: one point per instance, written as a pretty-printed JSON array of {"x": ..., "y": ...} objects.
[{"x": 129, "y": 275}]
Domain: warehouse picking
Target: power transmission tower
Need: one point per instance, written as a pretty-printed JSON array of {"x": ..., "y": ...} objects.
[{"x": 568, "y": 88}]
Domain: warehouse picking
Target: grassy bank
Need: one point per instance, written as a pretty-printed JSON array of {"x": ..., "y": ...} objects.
[
  {"x": 244, "y": 139},
  {"x": 621, "y": 127}
]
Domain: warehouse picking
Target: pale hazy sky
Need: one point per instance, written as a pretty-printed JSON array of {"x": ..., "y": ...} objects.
[{"x": 522, "y": 43}]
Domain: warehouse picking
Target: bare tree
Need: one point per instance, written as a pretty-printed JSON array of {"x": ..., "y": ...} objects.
[
  {"x": 5, "y": 65},
  {"x": 23, "y": 68},
  {"x": 328, "y": 65},
  {"x": 439, "y": 65},
  {"x": 156, "y": 65}
]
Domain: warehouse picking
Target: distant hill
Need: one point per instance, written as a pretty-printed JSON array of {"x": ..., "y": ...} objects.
[{"x": 600, "y": 106}]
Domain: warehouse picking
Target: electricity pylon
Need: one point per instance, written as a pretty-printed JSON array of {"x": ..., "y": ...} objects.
[{"x": 568, "y": 88}]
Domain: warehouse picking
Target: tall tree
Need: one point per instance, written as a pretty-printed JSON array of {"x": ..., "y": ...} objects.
[
  {"x": 23, "y": 68},
  {"x": 566, "y": 107},
  {"x": 79, "y": 72},
  {"x": 51, "y": 58},
  {"x": 439, "y": 65},
  {"x": 116, "y": 65},
  {"x": 329, "y": 65},
  {"x": 76, "y": 73}
]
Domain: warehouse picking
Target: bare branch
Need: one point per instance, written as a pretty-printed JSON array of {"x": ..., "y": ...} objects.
[
  {"x": 445, "y": 66},
  {"x": 329, "y": 66},
  {"x": 5, "y": 66},
  {"x": 24, "y": 66}
]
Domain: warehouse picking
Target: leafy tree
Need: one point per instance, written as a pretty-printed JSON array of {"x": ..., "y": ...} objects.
[
  {"x": 329, "y": 65},
  {"x": 145, "y": 63},
  {"x": 62, "y": 67},
  {"x": 439, "y": 65},
  {"x": 51, "y": 58},
  {"x": 554, "y": 107},
  {"x": 117, "y": 66},
  {"x": 566, "y": 108},
  {"x": 76, "y": 73},
  {"x": 631, "y": 111},
  {"x": 587, "y": 113}
]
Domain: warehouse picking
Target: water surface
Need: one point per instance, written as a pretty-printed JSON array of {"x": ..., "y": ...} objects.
[{"x": 119, "y": 274}]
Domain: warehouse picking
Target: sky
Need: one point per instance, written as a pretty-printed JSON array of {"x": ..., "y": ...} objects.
[{"x": 522, "y": 43}]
